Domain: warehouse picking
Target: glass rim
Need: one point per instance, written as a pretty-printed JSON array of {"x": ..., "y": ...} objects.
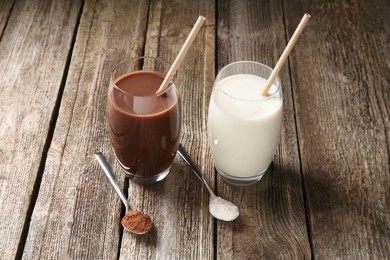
[
  {"x": 161, "y": 61},
  {"x": 261, "y": 97}
]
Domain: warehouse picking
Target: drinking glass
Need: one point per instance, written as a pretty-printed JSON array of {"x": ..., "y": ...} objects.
[
  {"x": 144, "y": 127},
  {"x": 244, "y": 126}
]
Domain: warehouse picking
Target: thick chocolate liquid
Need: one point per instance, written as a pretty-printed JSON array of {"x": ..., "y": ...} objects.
[{"x": 144, "y": 128}]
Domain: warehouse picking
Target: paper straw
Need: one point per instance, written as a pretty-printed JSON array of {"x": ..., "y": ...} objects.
[
  {"x": 285, "y": 53},
  {"x": 181, "y": 54}
]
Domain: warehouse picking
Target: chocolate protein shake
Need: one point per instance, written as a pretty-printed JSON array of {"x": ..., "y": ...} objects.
[{"x": 144, "y": 127}]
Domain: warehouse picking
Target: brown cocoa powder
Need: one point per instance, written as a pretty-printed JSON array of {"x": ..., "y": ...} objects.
[{"x": 137, "y": 222}]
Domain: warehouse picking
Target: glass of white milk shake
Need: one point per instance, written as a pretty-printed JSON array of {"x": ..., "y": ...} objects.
[{"x": 243, "y": 126}]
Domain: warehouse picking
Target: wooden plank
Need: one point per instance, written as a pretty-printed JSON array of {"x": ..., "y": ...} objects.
[
  {"x": 77, "y": 214},
  {"x": 5, "y": 12},
  {"x": 33, "y": 56},
  {"x": 341, "y": 90},
  {"x": 272, "y": 223},
  {"x": 183, "y": 227}
]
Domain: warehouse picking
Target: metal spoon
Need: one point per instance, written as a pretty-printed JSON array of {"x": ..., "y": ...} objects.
[
  {"x": 218, "y": 207},
  {"x": 130, "y": 213}
]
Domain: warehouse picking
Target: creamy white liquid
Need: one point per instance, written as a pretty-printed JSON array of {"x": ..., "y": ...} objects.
[{"x": 243, "y": 126}]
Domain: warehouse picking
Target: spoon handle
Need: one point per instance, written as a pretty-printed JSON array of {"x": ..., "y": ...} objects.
[
  {"x": 183, "y": 153},
  {"x": 107, "y": 170}
]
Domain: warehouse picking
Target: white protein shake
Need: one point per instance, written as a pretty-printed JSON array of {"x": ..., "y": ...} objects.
[{"x": 244, "y": 126}]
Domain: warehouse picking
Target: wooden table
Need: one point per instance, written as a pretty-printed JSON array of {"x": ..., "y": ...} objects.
[{"x": 326, "y": 195}]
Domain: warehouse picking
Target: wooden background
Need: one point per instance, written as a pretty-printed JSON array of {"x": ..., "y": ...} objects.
[{"x": 326, "y": 196}]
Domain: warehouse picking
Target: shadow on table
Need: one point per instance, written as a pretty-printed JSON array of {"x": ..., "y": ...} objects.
[{"x": 272, "y": 220}]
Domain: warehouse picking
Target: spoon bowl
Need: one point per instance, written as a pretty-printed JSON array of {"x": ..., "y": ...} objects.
[
  {"x": 220, "y": 208},
  {"x": 134, "y": 221},
  {"x": 223, "y": 209}
]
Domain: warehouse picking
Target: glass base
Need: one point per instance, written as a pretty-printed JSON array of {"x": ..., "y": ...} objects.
[
  {"x": 145, "y": 179},
  {"x": 240, "y": 181}
]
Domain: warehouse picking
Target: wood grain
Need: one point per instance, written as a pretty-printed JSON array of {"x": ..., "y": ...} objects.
[
  {"x": 272, "y": 223},
  {"x": 341, "y": 91},
  {"x": 77, "y": 214},
  {"x": 33, "y": 55},
  {"x": 5, "y": 12}
]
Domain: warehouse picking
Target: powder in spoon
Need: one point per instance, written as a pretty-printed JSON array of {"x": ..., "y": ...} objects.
[
  {"x": 137, "y": 222},
  {"x": 223, "y": 209}
]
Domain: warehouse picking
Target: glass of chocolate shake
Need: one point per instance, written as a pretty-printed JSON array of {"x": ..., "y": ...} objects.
[{"x": 144, "y": 127}]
